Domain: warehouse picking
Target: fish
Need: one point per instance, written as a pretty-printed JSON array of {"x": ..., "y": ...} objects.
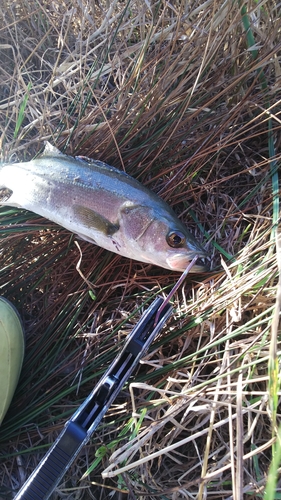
[{"x": 102, "y": 205}]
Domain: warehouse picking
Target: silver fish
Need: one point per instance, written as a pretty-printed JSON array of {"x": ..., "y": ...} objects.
[{"x": 102, "y": 205}]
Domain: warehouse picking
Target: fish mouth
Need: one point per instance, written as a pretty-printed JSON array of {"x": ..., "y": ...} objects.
[{"x": 179, "y": 262}]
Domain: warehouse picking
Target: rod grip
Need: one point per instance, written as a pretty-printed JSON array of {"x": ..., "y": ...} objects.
[{"x": 51, "y": 469}]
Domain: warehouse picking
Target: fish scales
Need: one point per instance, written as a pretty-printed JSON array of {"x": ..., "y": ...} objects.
[{"x": 101, "y": 204}]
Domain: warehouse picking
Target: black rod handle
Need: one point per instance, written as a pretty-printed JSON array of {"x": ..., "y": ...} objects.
[{"x": 51, "y": 469}]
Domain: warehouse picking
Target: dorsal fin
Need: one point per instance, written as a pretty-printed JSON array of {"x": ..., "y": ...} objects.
[{"x": 51, "y": 150}]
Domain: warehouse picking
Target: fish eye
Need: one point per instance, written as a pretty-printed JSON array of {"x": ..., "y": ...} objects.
[{"x": 175, "y": 239}]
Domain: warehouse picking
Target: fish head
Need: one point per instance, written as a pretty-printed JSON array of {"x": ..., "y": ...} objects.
[{"x": 158, "y": 237}]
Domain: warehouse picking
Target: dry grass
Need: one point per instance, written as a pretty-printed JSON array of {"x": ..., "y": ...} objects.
[{"x": 174, "y": 94}]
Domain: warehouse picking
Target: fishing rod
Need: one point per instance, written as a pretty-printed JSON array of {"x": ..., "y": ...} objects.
[{"x": 79, "y": 429}]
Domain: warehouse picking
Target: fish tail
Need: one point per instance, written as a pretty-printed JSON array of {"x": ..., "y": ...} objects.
[{"x": 5, "y": 191}]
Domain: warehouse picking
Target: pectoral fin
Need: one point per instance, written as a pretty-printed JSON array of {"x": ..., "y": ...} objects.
[{"x": 92, "y": 219}]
